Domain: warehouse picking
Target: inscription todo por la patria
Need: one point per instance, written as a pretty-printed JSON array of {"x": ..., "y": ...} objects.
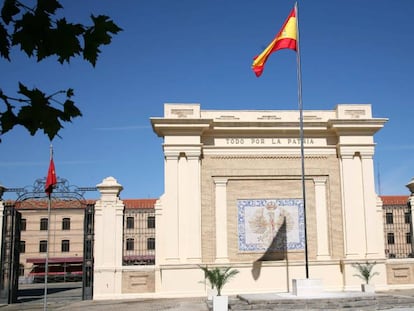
[{"x": 271, "y": 141}]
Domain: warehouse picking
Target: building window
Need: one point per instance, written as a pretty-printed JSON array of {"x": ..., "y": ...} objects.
[
  {"x": 23, "y": 224},
  {"x": 66, "y": 224},
  {"x": 390, "y": 238},
  {"x": 43, "y": 246},
  {"x": 130, "y": 223},
  {"x": 151, "y": 222},
  {"x": 407, "y": 217},
  {"x": 22, "y": 247},
  {"x": 151, "y": 243},
  {"x": 65, "y": 245},
  {"x": 43, "y": 224},
  {"x": 130, "y": 244},
  {"x": 408, "y": 237},
  {"x": 389, "y": 218},
  {"x": 21, "y": 270}
]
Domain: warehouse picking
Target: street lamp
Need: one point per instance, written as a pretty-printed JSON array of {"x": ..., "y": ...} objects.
[
  {"x": 410, "y": 186},
  {"x": 2, "y": 189}
]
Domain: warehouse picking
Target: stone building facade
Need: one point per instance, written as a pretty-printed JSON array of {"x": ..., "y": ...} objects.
[{"x": 231, "y": 175}]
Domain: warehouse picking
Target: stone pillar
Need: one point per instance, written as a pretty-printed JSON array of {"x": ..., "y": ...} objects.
[
  {"x": 170, "y": 218},
  {"x": 194, "y": 205},
  {"x": 374, "y": 247},
  {"x": 352, "y": 205},
  {"x": 181, "y": 212},
  {"x": 109, "y": 212},
  {"x": 380, "y": 228},
  {"x": 221, "y": 220},
  {"x": 321, "y": 218}
]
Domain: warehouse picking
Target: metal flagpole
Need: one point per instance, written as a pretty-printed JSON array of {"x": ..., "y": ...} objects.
[
  {"x": 49, "y": 205},
  {"x": 302, "y": 152}
]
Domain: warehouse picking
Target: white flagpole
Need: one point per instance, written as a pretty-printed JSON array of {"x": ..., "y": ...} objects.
[
  {"x": 49, "y": 205},
  {"x": 302, "y": 152}
]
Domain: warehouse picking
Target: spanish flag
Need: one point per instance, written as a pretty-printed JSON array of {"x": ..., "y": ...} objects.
[{"x": 285, "y": 39}]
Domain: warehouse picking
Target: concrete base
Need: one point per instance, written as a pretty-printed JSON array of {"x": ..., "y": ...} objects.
[{"x": 307, "y": 287}]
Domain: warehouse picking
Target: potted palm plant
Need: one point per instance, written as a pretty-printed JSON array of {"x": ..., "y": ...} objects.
[
  {"x": 218, "y": 277},
  {"x": 365, "y": 273}
]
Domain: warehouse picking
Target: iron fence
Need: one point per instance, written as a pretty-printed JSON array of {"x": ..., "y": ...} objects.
[
  {"x": 139, "y": 237},
  {"x": 398, "y": 231}
]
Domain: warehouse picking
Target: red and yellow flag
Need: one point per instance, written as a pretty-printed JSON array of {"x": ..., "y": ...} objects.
[
  {"x": 285, "y": 39},
  {"x": 51, "y": 178}
]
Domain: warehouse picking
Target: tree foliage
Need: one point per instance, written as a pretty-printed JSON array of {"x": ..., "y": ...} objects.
[{"x": 41, "y": 34}]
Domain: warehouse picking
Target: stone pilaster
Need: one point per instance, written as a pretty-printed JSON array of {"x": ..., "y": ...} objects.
[
  {"x": 169, "y": 218},
  {"x": 352, "y": 205},
  {"x": 374, "y": 249},
  {"x": 221, "y": 220},
  {"x": 321, "y": 218}
]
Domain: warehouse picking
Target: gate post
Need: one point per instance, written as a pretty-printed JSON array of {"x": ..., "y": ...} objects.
[{"x": 109, "y": 212}]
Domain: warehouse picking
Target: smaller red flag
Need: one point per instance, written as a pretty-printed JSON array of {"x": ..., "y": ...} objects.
[{"x": 51, "y": 178}]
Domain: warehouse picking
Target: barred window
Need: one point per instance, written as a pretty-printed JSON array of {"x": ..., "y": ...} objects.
[
  {"x": 130, "y": 244},
  {"x": 408, "y": 237},
  {"x": 151, "y": 222},
  {"x": 22, "y": 247},
  {"x": 43, "y": 246},
  {"x": 66, "y": 224},
  {"x": 65, "y": 246},
  {"x": 151, "y": 243},
  {"x": 390, "y": 238},
  {"x": 389, "y": 218},
  {"x": 43, "y": 224},
  {"x": 130, "y": 223},
  {"x": 407, "y": 217},
  {"x": 23, "y": 224}
]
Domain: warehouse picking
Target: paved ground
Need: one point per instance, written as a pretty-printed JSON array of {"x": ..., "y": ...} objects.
[{"x": 67, "y": 296}]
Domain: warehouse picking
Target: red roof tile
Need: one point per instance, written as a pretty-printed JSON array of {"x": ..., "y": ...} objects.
[
  {"x": 139, "y": 203},
  {"x": 394, "y": 199},
  {"x": 74, "y": 204}
]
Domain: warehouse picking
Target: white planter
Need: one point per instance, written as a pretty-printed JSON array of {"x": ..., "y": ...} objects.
[
  {"x": 220, "y": 303},
  {"x": 211, "y": 292},
  {"x": 368, "y": 288}
]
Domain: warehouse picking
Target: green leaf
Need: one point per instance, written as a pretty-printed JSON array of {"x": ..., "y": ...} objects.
[
  {"x": 70, "y": 111},
  {"x": 4, "y": 43},
  {"x": 49, "y": 6},
  {"x": 98, "y": 35},
  {"x": 7, "y": 121},
  {"x": 9, "y": 10},
  {"x": 31, "y": 31},
  {"x": 64, "y": 38}
]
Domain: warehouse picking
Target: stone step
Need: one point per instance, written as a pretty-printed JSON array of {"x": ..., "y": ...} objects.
[{"x": 363, "y": 303}]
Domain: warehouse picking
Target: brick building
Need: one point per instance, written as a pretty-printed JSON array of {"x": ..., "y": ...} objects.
[
  {"x": 398, "y": 229},
  {"x": 67, "y": 233}
]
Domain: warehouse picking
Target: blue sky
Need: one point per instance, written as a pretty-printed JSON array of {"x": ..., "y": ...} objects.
[{"x": 201, "y": 51}]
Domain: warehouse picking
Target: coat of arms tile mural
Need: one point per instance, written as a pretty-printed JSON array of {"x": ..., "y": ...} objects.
[{"x": 270, "y": 224}]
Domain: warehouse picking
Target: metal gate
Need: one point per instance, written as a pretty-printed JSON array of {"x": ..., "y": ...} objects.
[
  {"x": 34, "y": 199},
  {"x": 87, "y": 286}
]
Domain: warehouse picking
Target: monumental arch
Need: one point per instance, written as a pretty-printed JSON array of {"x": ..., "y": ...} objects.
[{"x": 233, "y": 197}]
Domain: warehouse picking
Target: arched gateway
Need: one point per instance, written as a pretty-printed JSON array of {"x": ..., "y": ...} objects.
[{"x": 233, "y": 196}]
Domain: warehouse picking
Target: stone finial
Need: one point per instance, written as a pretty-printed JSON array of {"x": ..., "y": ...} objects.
[
  {"x": 410, "y": 186},
  {"x": 110, "y": 186}
]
